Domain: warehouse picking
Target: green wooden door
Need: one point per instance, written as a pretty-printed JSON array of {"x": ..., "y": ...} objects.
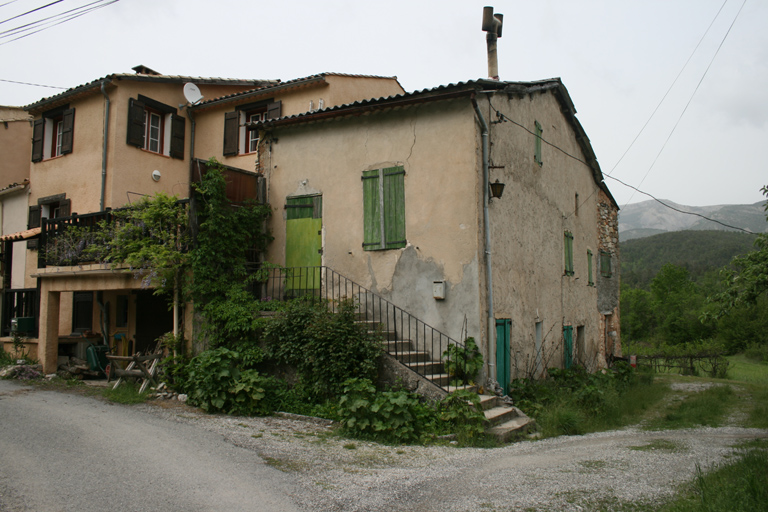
[
  {"x": 568, "y": 346},
  {"x": 503, "y": 328},
  {"x": 303, "y": 243}
]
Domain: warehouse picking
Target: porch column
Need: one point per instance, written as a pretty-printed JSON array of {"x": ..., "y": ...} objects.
[{"x": 48, "y": 337}]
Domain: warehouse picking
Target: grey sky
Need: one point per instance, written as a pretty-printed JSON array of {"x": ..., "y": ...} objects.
[{"x": 616, "y": 58}]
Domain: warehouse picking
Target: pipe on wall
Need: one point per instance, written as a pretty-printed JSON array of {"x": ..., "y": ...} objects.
[
  {"x": 104, "y": 146},
  {"x": 491, "y": 346}
]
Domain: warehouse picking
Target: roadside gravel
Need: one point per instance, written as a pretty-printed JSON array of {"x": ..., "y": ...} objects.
[{"x": 564, "y": 473}]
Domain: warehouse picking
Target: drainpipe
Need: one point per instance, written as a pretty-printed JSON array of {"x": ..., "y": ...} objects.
[
  {"x": 104, "y": 148},
  {"x": 491, "y": 346}
]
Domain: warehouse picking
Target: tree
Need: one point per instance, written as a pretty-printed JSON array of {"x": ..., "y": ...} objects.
[{"x": 746, "y": 279}]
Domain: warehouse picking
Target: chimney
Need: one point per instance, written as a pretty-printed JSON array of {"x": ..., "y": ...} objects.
[{"x": 492, "y": 25}]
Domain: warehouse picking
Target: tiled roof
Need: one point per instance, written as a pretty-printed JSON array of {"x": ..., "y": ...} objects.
[{"x": 12, "y": 186}]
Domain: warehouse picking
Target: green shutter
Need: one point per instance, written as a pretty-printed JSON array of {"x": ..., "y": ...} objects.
[
  {"x": 567, "y": 346},
  {"x": 394, "y": 208},
  {"x": 371, "y": 211},
  {"x": 591, "y": 281},
  {"x": 568, "y": 243},
  {"x": 605, "y": 264}
]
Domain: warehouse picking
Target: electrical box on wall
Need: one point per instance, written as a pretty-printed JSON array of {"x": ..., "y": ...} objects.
[{"x": 438, "y": 290}]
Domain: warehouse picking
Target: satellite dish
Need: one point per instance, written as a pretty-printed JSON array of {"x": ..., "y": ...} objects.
[{"x": 192, "y": 93}]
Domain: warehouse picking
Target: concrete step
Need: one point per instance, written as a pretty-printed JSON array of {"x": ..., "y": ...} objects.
[
  {"x": 441, "y": 379},
  {"x": 451, "y": 389},
  {"x": 393, "y": 346},
  {"x": 412, "y": 356},
  {"x": 426, "y": 367},
  {"x": 490, "y": 401},
  {"x": 509, "y": 430},
  {"x": 500, "y": 414}
]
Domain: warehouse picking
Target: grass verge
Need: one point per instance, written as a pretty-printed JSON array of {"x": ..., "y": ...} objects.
[{"x": 127, "y": 393}]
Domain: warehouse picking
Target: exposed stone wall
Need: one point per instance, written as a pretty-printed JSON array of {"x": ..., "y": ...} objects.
[{"x": 608, "y": 288}]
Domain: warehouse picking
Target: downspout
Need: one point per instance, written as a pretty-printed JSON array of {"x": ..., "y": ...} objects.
[
  {"x": 104, "y": 148},
  {"x": 491, "y": 346}
]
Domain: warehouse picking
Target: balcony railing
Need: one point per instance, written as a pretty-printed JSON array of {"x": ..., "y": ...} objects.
[
  {"x": 20, "y": 302},
  {"x": 414, "y": 343}
]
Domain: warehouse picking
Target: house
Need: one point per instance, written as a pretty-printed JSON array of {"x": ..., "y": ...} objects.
[
  {"x": 393, "y": 194},
  {"x": 14, "y": 187},
  {"x": 107, "y": 143}
]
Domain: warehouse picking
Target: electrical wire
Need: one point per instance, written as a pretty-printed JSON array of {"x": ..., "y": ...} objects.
[
  {"x": 690, "y": 99},
  {"x": 52, "y": 22},
  {"x": 7, "y": 3},
  {"x": 504, "y": 117},
  {"x": 30, "y": 12},
  {"x": 27, "y": 83}
]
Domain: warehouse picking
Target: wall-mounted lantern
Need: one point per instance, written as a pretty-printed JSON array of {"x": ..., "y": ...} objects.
[{"x": 497, "y": 189}]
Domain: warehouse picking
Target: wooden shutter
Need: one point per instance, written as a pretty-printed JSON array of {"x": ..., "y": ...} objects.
[
  {"x": 37, "y": 139},
  {"x": 34, "y": 217},
  {"x": 275, "y": 110},
  {"x": 605, "y": 264},
  {"x": 537, "y": 150},
  {"x": 231, "y": 132},
  {"x": 178, "y": 126},
  {"x": 591, "y": 281},
  {"x": 372, "y": 225},
  {"x": 67, "y": 130},
  {"x": 135, "y": 136},
  {"x": 568, "y": 242},
  {"x": 65, "y": 207},
  {"x": 394, "y": 208}
]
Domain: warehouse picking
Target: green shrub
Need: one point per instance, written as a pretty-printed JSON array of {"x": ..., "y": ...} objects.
[
  {"x": 218, "y": 381},
  {"x": 757, "y": 352},
  {"x": 463, "y": 363},
  {"x": 326, "y": 348},
  {"x": 460, "y": 414}
]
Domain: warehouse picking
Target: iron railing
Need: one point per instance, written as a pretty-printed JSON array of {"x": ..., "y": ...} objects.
[
  {"x": 19, "y": 302},
  {"x": 415, "y": 344}
]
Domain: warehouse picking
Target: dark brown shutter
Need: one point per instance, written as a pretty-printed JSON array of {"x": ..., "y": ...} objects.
[
  {"x": 34, "y": 217},
  {"x": 65, "y": 206},
  {"x": 135, "y": 135},
  {"x": 178, "y": 124},
  {"x": 231, "y": 132},
  {"x": 275, "y": 110},
  {"x": 67, "y": 130},
  {"x": 37, "y": 139}
]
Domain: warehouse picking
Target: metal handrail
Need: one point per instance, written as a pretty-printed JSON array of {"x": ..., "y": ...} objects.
[{"x": 415, "y": 344}]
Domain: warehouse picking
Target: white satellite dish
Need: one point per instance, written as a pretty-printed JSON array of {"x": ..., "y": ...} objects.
[{"x": 192, "y": 93}]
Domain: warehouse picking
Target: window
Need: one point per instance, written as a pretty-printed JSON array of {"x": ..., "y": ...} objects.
[
  {"x": 384, "y": 209},
  {"x": 591, "y": 281},
  {"x": 606, "y": 269},
  {"x": 52, "y": 134},
  {"x": 568, "y": 243},
  {"x": 49, "y": 207},
  {"x": 537, "y": 150},
  {"x": 155, "y": 127},
  {"x": 82, "y": 312},
  {"x": 239, "y": 137}
]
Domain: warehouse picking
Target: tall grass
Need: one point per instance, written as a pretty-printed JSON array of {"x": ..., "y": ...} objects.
[
  {"x": 744, "y": 369},
  {"x": 708, "y": 408}
]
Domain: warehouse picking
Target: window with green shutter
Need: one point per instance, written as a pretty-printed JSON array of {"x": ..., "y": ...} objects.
[
  {"x": 537, "y": 151},
  {"x": 384, "y": 209},
  {"x": 591, "y": 281},
  {"x": 606, "y": 269},
  {"x": 568, "y": 243}
]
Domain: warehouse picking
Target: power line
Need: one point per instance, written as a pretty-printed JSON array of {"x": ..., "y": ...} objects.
[
  {"x": 33, "y": 24},
  {"x": 30, "y": 12},
  {"x": 51, "y": 21},
  {"x": 27, "y": 83},
  {"x": 690, "y": 99},
  {"x": 6, "y": 3},
  {"x": 504, "y": 117},
  {"x": 668, "y": 90}
]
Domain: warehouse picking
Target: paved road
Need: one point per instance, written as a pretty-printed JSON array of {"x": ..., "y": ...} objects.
[{"x": 64, "y": 452}]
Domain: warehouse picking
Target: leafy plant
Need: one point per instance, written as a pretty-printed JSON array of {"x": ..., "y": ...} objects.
[
  {"x": 463, "y": 363},
  {"x": 460, "y": 413}
]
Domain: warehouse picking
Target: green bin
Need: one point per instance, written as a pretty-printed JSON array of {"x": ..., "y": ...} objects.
[{"x": 97, "y": 357}]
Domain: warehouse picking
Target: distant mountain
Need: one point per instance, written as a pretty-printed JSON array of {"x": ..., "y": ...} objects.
[{"x": 648, "y": 218}]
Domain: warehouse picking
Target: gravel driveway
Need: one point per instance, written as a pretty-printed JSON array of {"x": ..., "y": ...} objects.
[{"x": 564, "y": 473}]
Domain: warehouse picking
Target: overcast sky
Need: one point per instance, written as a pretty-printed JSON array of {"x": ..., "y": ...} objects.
[{"x": 617, "y": 59}]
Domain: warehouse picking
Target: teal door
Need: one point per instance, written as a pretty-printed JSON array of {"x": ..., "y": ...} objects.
[
  {"x": 503, "y": 328},
  {"x": 568, "y": 346}
]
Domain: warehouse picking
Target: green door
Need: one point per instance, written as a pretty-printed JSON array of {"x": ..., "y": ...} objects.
[
  {"x": 568, "y": 346},
  {"x": 503, "y": 327},
  {"x": 303, "y": 243}
]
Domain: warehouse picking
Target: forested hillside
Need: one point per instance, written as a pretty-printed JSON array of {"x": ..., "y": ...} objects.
[{"x": 699, "y": 252}]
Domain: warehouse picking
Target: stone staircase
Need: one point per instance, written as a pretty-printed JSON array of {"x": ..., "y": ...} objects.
[{"x": 503, "y": 421}]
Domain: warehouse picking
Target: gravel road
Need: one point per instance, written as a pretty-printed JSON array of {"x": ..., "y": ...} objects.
[{"x": 309, "y": 469}]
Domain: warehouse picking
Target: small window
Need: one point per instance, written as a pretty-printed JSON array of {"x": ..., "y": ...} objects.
[
  {"x": 606, "y": 268},
  {"x": 155, "y": 127},
  {"x": 240, "y": 137},
  {"x": 384, "y": 209},
  {"x": 591, "y": 281},
  {"x": 82, "y": 312},
  {"x": 576, "y": 204},
  {"x": 537, "y": 151},
  {"x": 52, "y": 134},
  {"x": 568, "y": 243},
  {"x": 121, "y": 316}
]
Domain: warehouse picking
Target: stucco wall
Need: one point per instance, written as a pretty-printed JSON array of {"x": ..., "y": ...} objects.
[
  {"x": 14, "y": 219},
  {"x": 438, "y": 148},
  {"x": 15, "y": 134},
  {"x": 528, "y": 225}
]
